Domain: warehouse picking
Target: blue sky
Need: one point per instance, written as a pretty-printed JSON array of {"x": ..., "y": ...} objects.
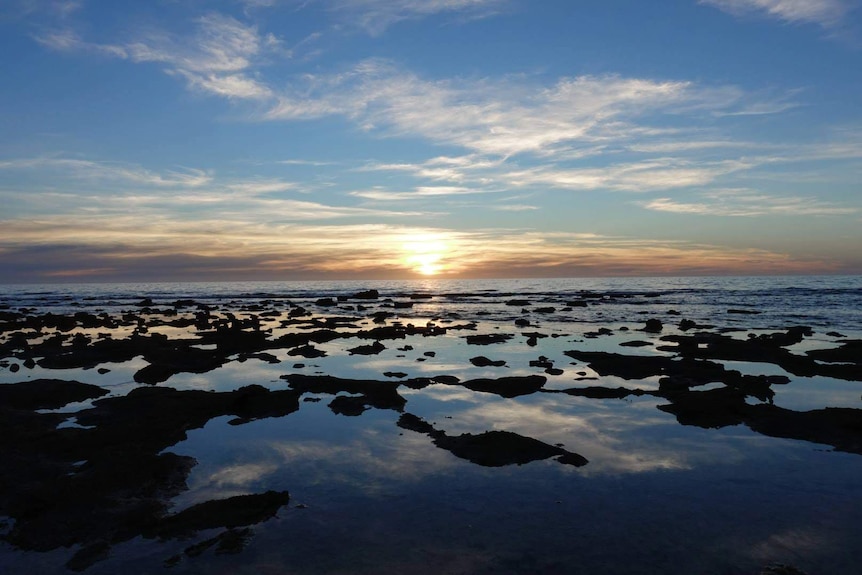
[{"x": 316, "y": 139}]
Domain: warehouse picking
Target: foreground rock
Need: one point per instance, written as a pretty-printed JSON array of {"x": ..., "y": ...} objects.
[
  {"x": 492, "y": 448},
  {"x": 109, "y": 479}
]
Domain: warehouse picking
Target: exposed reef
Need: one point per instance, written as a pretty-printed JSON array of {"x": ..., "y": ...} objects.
[
  {"x": 492, "y": 448},
  {"x": 87, "y": 470},
  {"x": 108, "y": 479}
]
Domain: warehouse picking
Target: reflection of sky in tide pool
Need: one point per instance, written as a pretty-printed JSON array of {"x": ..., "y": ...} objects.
[{"x": 655, "y": 497}]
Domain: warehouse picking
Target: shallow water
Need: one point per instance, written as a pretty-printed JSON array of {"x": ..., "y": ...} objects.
[{"x": 370, "y": 496}]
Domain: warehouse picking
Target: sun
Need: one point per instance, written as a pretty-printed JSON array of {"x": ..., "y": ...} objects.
[{"x": 425, "y": 255}]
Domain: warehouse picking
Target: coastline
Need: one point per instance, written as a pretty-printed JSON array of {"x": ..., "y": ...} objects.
[{"x": 91, "y": 465}]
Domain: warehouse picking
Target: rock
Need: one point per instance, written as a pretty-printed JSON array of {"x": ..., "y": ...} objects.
[
  {"x": 307, "y": 351},
  {"x": 543, "y": 362},
  {"x": 635, "y": 344},
  {"x": 367, "y": 294},
  {"x": 47, "y": 393},
  {"x": 487, "y": 339},
  {"x": 482, "y": 361},
  {"x": 492, "y": 448},
  {"x": 372, "y": 349},
  {"x": 653, "y": 326},
  {"x": 507, "y": 386}
]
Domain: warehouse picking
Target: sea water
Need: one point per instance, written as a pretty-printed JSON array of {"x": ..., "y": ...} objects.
[{"x": 368, "y": 496}]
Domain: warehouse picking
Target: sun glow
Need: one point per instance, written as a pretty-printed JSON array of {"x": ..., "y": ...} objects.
[{"x": 425, "y": 254}]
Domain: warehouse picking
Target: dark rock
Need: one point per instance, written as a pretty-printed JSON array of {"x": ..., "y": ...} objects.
[
  {"x": 543, "y": 362},
  {"x": 373, "y": 349},
  {"x": 507, "y": 386},
  {"x": 238, "y": 511},
  {"x": 349, "y": 405},
  {"x": 487, "y": 339},
  {"x": 492, "y": 448},
  {"x": 307, "y": 351},
  {"x": 47, "y": 393},
  {"x": 597, "y": 392},
  {"x": 653, "y": 326},
  {"x": 635, "y": 343},
  {"x": 378, "y": 394},
  {"x": 482, "y": 361},
  {"x": 368, "y": 294}
]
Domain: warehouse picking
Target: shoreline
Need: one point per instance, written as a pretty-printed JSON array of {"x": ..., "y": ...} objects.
[{"x": 59, "y": 474}]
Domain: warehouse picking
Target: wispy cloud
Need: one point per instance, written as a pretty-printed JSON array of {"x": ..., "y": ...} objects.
[
  {"x": 216, "y": 59},
  {"x": 421, "y": 192},
  {"x": 826, "y": 13},
  {"x": 376, "y": 15},
  {"x": 132, "y": 244},
  {"x": 650, "y": 175},
  {"x": 504, "y": 117},
  {"x": 747, "y": 203},
  {"x": 111, "y": 171}
]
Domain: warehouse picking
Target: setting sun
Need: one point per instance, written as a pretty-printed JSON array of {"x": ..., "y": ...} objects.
[{"x": 424, "y": 254}]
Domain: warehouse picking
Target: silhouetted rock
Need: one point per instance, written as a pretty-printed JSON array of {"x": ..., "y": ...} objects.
[
  {"x": 372, "y": 349},
  {"x": 482, "y": 361},
  {"x": 47, "y": 393},
  {"x": 487, "y": 339},
  {"x": 492, "y": 448},
  {"x": 507, "y": 386},
  {"x": 367, "y": 294},
  {"x": 635, "y": 343},
  {"x": 307, "y": 351}
]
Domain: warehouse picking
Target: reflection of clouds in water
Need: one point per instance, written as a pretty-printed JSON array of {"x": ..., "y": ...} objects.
[
  {"x": 445, "y": 393},
  {"x": 240, "y": 475},
  {"x": 613, "y": 440},
  {"x": 231, "y": 376},
  {"x": 794, "y": 543},
  {"x": 370, "y": 463},
  {"x": 224, "y": 482}
]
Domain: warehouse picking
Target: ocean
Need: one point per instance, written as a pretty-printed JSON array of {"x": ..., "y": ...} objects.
[{"x": 592, "y": 425}]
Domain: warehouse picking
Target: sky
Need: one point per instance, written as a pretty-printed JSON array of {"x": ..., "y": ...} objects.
[{"x": 381, "y": 139}]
